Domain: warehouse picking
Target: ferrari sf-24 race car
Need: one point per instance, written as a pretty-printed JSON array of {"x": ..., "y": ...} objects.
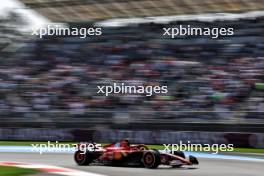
[{"x": 124, "y": 154}]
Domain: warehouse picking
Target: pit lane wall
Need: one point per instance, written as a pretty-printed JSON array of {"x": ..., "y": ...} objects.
[{"x": 248, "y": 140}]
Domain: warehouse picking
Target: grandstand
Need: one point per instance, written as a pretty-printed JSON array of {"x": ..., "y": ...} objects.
[
  {"x": 90, "y": 10},
  {"x": 10, "y": 37},
  {"x": 56, "y": 77}
]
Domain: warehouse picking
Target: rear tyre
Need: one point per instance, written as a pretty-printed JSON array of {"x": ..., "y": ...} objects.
[
  {"x": 151, "y": 159},
  {"x": 83, "y": 159}
]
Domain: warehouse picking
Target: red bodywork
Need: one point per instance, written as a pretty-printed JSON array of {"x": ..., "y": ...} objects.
[
  {"x": 120, "y": 152},
  {"x": 166, "y": 158}
]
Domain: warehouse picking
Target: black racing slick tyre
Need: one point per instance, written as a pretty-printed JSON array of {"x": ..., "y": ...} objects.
[
  {"x": 83, "y": 159},
  {"x": 151, "y": 159}
]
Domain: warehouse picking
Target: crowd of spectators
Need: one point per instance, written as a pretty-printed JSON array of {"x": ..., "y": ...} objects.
[{"x": 217, "y": 79}]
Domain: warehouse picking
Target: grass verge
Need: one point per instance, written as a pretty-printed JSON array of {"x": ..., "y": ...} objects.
[
  {"x": 14, "y": 171},
  {"x": 158, "y": 147}
]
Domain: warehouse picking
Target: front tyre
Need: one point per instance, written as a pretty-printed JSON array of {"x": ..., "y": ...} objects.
[
  {"x": 151, "y": 159},
  {"x": 83, "y": 159}
]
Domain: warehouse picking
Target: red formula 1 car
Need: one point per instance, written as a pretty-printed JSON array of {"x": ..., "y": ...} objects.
[{"x": 124, "y": 154}]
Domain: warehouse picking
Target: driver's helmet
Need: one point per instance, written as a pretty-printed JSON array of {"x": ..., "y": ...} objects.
[{"x": 124, "y": 143}]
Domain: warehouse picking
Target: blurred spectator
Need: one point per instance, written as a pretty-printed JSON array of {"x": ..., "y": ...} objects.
[{"x": 210, "y": 79}]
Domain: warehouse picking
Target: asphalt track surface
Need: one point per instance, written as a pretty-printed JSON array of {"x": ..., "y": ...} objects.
[{"x": 207, "y": 167}]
